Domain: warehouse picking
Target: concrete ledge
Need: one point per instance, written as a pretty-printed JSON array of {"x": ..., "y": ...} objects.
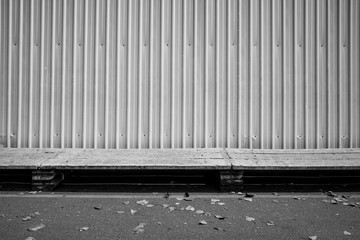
[
  {"x": 319, "y": 159},
  {"x": 147, "y": 159}
]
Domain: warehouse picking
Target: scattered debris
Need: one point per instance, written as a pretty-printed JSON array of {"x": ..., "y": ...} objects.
[
  {"x": 166, "y": 195},
  {"x": 232, "y": 192},
  {"x": 246, "y": 199},
  {"x": 142, "y": 202},
  {"x": 126, "y": 203},
  {"x": 296, "y": 198},
  {"x": 172, "y": 209},
  {"x": 199, "y": 211},
  {"x": 249, "y": 195},
  {"x": 202, "y": 222},
  {"x": 250, "y": 219},
  {"x": 37, "y": 213},
  {"x": 165, "y": 205},
  {"x": 84, "y": 229},
  {"x": 190, "y": 208},
  {"x": 240, "y": 193},
  {"x": 98, "y": 207},
  {"x": 186, "y": 195},
  {"x": 219, "y": 217},
  {"x": 182, "y": 209},
  {"x": 188, "y": 199},
  {"x": 2, "y": 215},
  {"x": 132, "y": 211},
  {"x": 21, "y": 193},
  {"x": 139, "y": 228},
  {"x": 326, "y": 201},
  {"x": 30, "y": 238},
  {"x": 26, "y": 218},
  {"x": 213, "y": 201},
  {"x": 36, "y": 228},
  {"x": 276, "y": 201},
  {"x": 347, "y": 233},
  {"x": 120, "y": 212},
  {"x": 221, "y": 203},
  {"x": 219, "y": 229},
  {"x": 270, "y": 223},
  {"x": 331, "y": 194},
  {"x": 275, "y": 194},
  {"x": 33, "y": 192},
  {"x": 177, "y": 203},
  {"x": 179, "y": 198},
  {"x": 334, "y": 202},
  {"x": 313, "y": 237},
  {"x": 149, "y": 205},
  {"x": 155, "y": 193},
  {"x": 207, "y": 214}
]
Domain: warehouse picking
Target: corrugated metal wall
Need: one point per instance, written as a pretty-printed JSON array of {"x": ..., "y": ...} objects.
[{"x": 180, "y": 73}]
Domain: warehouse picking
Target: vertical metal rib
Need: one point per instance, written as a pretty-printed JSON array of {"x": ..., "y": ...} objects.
[
  {"x": 9, "y": 86},
  {"x": 63, "y": 76},
  {"x": 42, "y": 69},
  {"x": 20, "y": 92}
]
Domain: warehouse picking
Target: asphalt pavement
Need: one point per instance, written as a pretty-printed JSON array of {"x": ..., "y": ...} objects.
[{"x": 157, "y": 215}]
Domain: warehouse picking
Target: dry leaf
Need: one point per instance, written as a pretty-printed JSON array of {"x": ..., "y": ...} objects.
[
  {"x": 347, "y": 233},
  {"x": 37, "y": 227},
  {"x": 26, "y": 218},
  {"x": 313, "y": 237},
  {"x": 190, "y": 208},
  {"x": 149, "y": 205},
  {"x": 270, "y": 223},
  {"x": 200, "y": 211},
  {"x": 98, "y": 207},
  {"x": 250, "y": 219},
  {"x": 219, "y": 217},
  {"x": 83, "y": 229},
  {"x": 142, "y": 202},
  {"x": 126, "y": 203},
  {"x": 133, "y": 211},
  {"x": 120, "y": 212},
  {"x": 139, "y": 228},
  {"x": 165, "y": 205},
  {"x": 219, "y": 229},
  {"x": 202, "y": 222},
  {"x": 247, "y": 199},
  {"x": 221, "y": 203}
]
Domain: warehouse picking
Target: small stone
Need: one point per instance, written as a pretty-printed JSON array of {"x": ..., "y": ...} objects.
[
  {"x": 202, "y": 222},
  {"x": 240, "y": 193},
  {"x": 313, "y": 237},
  {"x": 221, "y": 203},
  {"x": 165, "y": 205},
  {"x": 120, "y": 212},
  {"x": 172, "y": 209},
  {"x": 149, "y": 205},
  {"x": 219, "y": 217},
  {"x": 97, "y": 207},
  {"x": 199, "y": 211},
  {"x": 126, "y": 203},
  {"x": 30, "y": 238},
  {"x": 347, "y": 233},
  {"x": 133, "y": 211}
]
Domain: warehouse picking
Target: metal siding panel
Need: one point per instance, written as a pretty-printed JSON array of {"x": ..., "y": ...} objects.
[
  {"x": 299, "y": 75},
  {"x": 310, "y": 74},
  {"x": 266, "y": 75},
  {"x": 333, "y": 74},
  {"x": 200, "y": 86},
  {"x": 278, "y": 81},
  {"x": 355, "y": 74},
  {"x": 190, "y": 73},
  {"x": 344, "y": 79}
]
